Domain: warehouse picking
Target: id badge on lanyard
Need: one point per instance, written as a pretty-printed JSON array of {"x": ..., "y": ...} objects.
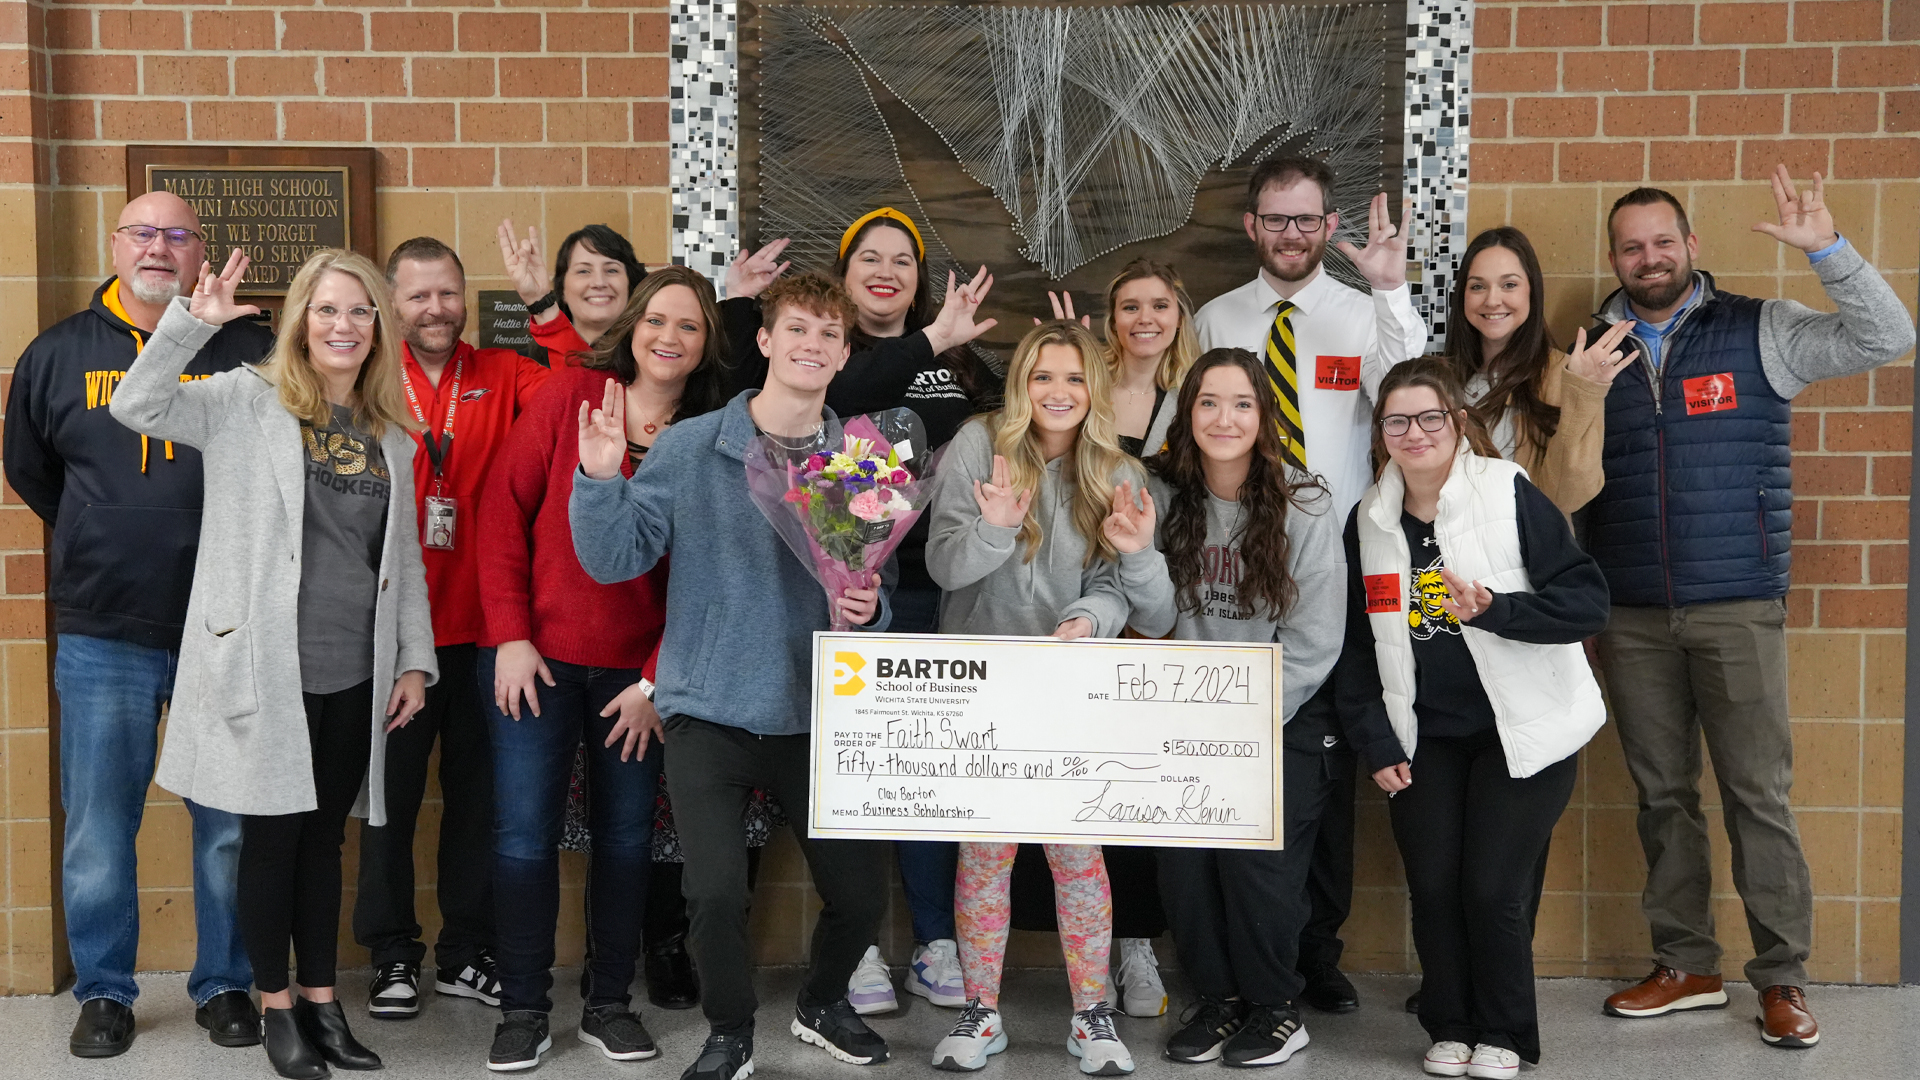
[{"x": 442, "y": 511}]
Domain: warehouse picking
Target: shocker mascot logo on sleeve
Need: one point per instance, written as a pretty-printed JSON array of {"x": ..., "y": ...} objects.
[{"x": 1425, "y": 616}]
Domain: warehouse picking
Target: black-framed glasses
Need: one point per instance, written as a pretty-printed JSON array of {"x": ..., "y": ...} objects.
[
  {"x": 1398, "y": 423},
  {"x": 1308, "y": 224},
  {"x": 144, "y": 234},
  {"x": 358, "y": 315}
]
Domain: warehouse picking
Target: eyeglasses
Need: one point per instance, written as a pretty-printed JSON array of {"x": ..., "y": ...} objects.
[
  {"x": 1398, "y": 423},
  {"x": 359, "y": 315},
  {"x": 144, "y": 234},
  {"x": 1307, "y": 223}
]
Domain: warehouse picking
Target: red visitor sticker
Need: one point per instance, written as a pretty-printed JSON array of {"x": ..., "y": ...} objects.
[
  {"x": 1337, "y": 373},
  {"x": 1383, "y": 593},
  {"x": 1710, "y": 393}
]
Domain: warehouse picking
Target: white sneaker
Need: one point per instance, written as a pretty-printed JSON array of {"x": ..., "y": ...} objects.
[
  {"x": 935, "y": 974},
  {"x": 979, "y": 1033},
  {"x": 870, "y": 990},
  {"x": 1448, "y": 1059},
  {"x": 1093, "y": 1040},
  {"x": 1494, "y": 1063},
  {"x": 1135, "y": 979}
]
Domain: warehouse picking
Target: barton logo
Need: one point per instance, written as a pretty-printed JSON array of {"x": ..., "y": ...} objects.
[{"x": 846, "y": 674}]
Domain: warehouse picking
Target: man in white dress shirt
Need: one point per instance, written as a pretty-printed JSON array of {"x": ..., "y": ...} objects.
[{"x": 1326, "y": 346}]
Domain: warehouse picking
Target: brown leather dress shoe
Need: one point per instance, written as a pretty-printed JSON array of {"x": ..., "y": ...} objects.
[
  {"x": 1785, "y": 1019},
  {"x": 1666, "y": 991}
]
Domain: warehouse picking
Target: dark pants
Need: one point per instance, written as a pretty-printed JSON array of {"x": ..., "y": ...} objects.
[
  {"x": 1237, "y": 915},
  {"x": 715, "y": 769},
  {"x": 532, "y": 762},
  {"x": 290, "y": 863},
  {"x": 1330, "y": 878},
  {"x": 1471, "y": 837},
  {"x": 383, "y": 914}
]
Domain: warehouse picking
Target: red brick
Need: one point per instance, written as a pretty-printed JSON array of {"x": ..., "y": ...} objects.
[
  {"x": 500, "y": 122},
  {"x": 1612, "y": 160},
  {"x": 1558, "y": 27},
  {"x": 1802, "y": 157},
  {"x": 497, "y": 32},
  {"x": 68, "y": 119},
  {"x": 142, "y": 30},
  {"x": 1524, "y": 163},
  {"x": 1849, "y": 391},
  {"x": 1627, "y": 24},
  {"x": 240, "y": 121},
  {"x": 414, "y": 122},
  {"x": 542, "y": 77},
  {"x": 184, "y": 76},
  {"x": 323, "y": 31},
  {"x": 1863, "y": 519},
  {"x": 587, "y": 33},
  {"x": 1739, "y": 114},
  {"x": 1886, "y": 564},
  {"x": 1499, "y": 73},
  {"x": 26, "y": 574},
  {"x": 1706, "y": 69},
  {"x": 1557, "y": 116},
  {"x": 1821, "y": 474},
  {"x": 1863, "y": 607},
  {"x": 1829, "y": 564},
  {"x": 1806, "y": 523},
  {"x": 390, "y": 167},
  {"x": 1903, "y": 110},
  {"x": 627, "y": 77},
  {"x": 1846, "y": 20},
  {"x": 1648, "y": 115},
  {"x": 1614, "y": 70},
  {"x": 1883, "y": 158},
  {"x": 1806, "y": 432},
  {"x": 452, "y": 167},
  {"x": 1703, "y": 160},
  {"x": 1489, "y": 118},
  {"x": 638, "y": 166},
  {"x": 23, "y": 619},
  {"x": 650, "y": 32},
  {"x": 1492, "y": 28},
  {"x": 464, "y": 77},
  {"x": 1893, "y": 386},
  {"x": 230, "y": 30},
  {"x": 1799, "y": 608},
  {"x": 89, "y": 165},
  {"x": 1836, "y": 112},
  {"x": 70, "y": 28},
  {"x": 365, "y": 76},
  {"x": 1670, "y": 24},
  {"x": 1903, "y": 22},
  {"x": 1789, "y": 69},
  {"x": 1743, "y": 24},
  {"x": 543, "y": 167},
  {"x": 1893, "y": 476},
  {"x": 649, "y": 121},
  {"x": 1894, "y": 66},
  {"x": 276, "y": 76},
  {"x": 80, "y": 73},
  {"x": 324, "y": 121},
  {"x": 146, "y": 120},
  {"x": 412, "y": 31}
]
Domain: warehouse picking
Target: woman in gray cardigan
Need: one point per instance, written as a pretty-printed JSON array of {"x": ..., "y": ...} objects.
[{"x": 308, "y": 635}]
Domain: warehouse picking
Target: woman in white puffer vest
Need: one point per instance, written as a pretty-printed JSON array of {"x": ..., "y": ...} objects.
[{"x": 1466, "y": 691}]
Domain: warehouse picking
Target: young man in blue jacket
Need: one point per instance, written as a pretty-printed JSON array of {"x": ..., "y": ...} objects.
[
  {"x": 125, "y": 514},
  {"x": 735, "y": 665}
]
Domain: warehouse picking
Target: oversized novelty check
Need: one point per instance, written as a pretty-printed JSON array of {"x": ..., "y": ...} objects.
[{"x": 922, "y": 737}]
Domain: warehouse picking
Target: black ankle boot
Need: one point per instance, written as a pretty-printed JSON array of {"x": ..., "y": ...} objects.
[
  {"x": 670, "y": 980},
  {"x": 325, "y": 1026},
  {"x": 288, "y": 1050}
]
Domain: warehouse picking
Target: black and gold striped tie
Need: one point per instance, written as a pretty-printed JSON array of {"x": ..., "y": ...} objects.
[{"x": 1284, "y": 374}]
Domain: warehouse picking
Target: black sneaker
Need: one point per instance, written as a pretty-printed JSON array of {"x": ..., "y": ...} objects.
[
  {"x": 838, "y": 1030},
  {"x": 724, "y": 1057},
  {"x": 1272, "y": 1034},
  {"x": 477, "y": 981},
  {"x": 519, "y": 1041},
  {"x": 617, "y": 1032},
  {"x": 1208, "y": 1024},
  {"x": 1329, "y": 990},
  {"x": 395, "y": 993}
]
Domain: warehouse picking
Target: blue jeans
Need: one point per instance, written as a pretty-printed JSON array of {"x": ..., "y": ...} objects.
[
  {"x": 927, "y": 867},
  {"x": 532, "y": 761},
  {"x": 110, "y": 697}
]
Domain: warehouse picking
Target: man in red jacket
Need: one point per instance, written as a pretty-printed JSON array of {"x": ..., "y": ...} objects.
[{"x": 474, "y": 394}]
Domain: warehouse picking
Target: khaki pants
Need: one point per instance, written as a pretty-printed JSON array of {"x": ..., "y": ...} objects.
[{"x": 1720, "y": 670}]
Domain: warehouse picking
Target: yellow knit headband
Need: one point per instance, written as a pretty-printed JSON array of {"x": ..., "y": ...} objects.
[{"x": 888, "y": 212}]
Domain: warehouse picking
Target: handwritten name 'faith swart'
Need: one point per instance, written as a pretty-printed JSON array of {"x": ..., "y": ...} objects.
[{"x": 1195, "y": 808}]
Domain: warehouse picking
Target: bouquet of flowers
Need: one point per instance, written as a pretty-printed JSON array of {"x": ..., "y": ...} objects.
[{"x": 845, "y": 501}]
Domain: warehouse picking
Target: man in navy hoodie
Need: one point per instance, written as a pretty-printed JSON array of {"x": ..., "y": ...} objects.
[
  {"x": 125, "y": 514},
  {"x": 735, "y": 665}
]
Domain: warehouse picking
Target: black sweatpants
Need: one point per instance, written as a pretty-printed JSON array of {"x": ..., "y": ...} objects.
[
  {"x": 289, "y": 887},
  {"x": 715, "y": 769},
  {"x": 1472, "y": 838},
  {"x": 383, "y": 915},
  {"x": 1330, "y": 880}
]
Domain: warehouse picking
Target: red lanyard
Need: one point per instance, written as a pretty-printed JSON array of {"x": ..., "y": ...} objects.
[{"x": 436, "y": 449}]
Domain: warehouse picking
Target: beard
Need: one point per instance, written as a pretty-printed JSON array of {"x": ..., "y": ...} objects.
[
  {"x": 152, "y": 292},
  {"x": 432, "y": 337},
  {"x": 1316, "y": 250},
  {"x": 1659, "y": 297}
]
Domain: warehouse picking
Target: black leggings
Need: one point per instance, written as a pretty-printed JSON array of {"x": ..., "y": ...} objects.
[{"x": 290, "y": 863}]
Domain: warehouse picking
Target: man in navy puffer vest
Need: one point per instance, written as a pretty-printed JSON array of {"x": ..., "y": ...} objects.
[{"x": 1693, "y": 531}]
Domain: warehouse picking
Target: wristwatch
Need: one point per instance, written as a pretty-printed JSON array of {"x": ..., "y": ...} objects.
[
  {"x": 543, "y": 303},
  {"x": 647, "y": 688}
]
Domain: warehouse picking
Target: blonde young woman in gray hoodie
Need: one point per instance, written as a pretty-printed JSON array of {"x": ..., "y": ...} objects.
[{"x": 1022, "y": 546}]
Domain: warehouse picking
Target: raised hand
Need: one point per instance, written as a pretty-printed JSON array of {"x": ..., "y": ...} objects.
[
  {"x": 603, "y": 434},
  {"x": 1465, "y": 600},
  {"x": 213, "y": 302},
  {"x": 526, "y": 264},
  {"x": 1130, "y": 526},
  {"x": 752, "y": 271},
  {"x": 1062, "y": 302},
  {"x": 1384, "y": 259},
  {"x": 1805, "y": 221},
  {"x": 999, "y": 503},
  {"x": 1602, "y": 360},
  {"x": 955, "y": 324}
]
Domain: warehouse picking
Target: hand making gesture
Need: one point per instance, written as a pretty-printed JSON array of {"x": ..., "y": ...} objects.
[
  {"x": 1805, "y": 221},
  {"x": 213, "y": 302},
  {"x": 1384, "y": 259},
  {"x": 955, "y": 324},
  {"x": 752, "y": 271},
  {"x": 1465, "y": 600},
  {"x": 1130, "y": 526},
  {"x": 1062, "y": 302},
  {"x": 603, "y": 434},
  {"x": 526, "y": 265},
  {"x": 1602, "y": 360},
  {"x": 999, "y": 503}
]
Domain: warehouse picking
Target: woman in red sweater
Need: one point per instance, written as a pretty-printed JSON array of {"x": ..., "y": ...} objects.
[{"x": 568, "y": 661}]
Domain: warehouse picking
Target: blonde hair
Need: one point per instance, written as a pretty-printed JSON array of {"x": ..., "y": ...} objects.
[
  {"x": 379, "y": 398},
  {"x": 1185, "y": 348},
  {"x": 1096, "y": 459}
]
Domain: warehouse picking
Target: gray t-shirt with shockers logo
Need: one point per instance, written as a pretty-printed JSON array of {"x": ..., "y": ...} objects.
[{"x": 348, "y": 489}]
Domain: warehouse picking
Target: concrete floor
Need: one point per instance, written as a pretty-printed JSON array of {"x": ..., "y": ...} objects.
[{"x": 1870, "y": 1033}]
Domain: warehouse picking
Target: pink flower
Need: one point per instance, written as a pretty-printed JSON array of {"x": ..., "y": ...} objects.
[
  {"x": 867, "y": 506},
  {"x": 816, "y": 462},
  {"x": 796, "y": 495},
  {"x": 900, "y": 476}
]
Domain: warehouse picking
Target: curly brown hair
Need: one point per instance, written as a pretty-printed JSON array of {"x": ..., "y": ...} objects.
[{"x": 816, "y": 294}]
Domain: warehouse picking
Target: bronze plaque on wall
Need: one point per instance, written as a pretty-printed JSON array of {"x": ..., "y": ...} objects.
[{"x": 279, "y": 206}]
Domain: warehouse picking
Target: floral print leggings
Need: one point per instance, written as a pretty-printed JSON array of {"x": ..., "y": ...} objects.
[{"x": 1082, "y": 898}]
